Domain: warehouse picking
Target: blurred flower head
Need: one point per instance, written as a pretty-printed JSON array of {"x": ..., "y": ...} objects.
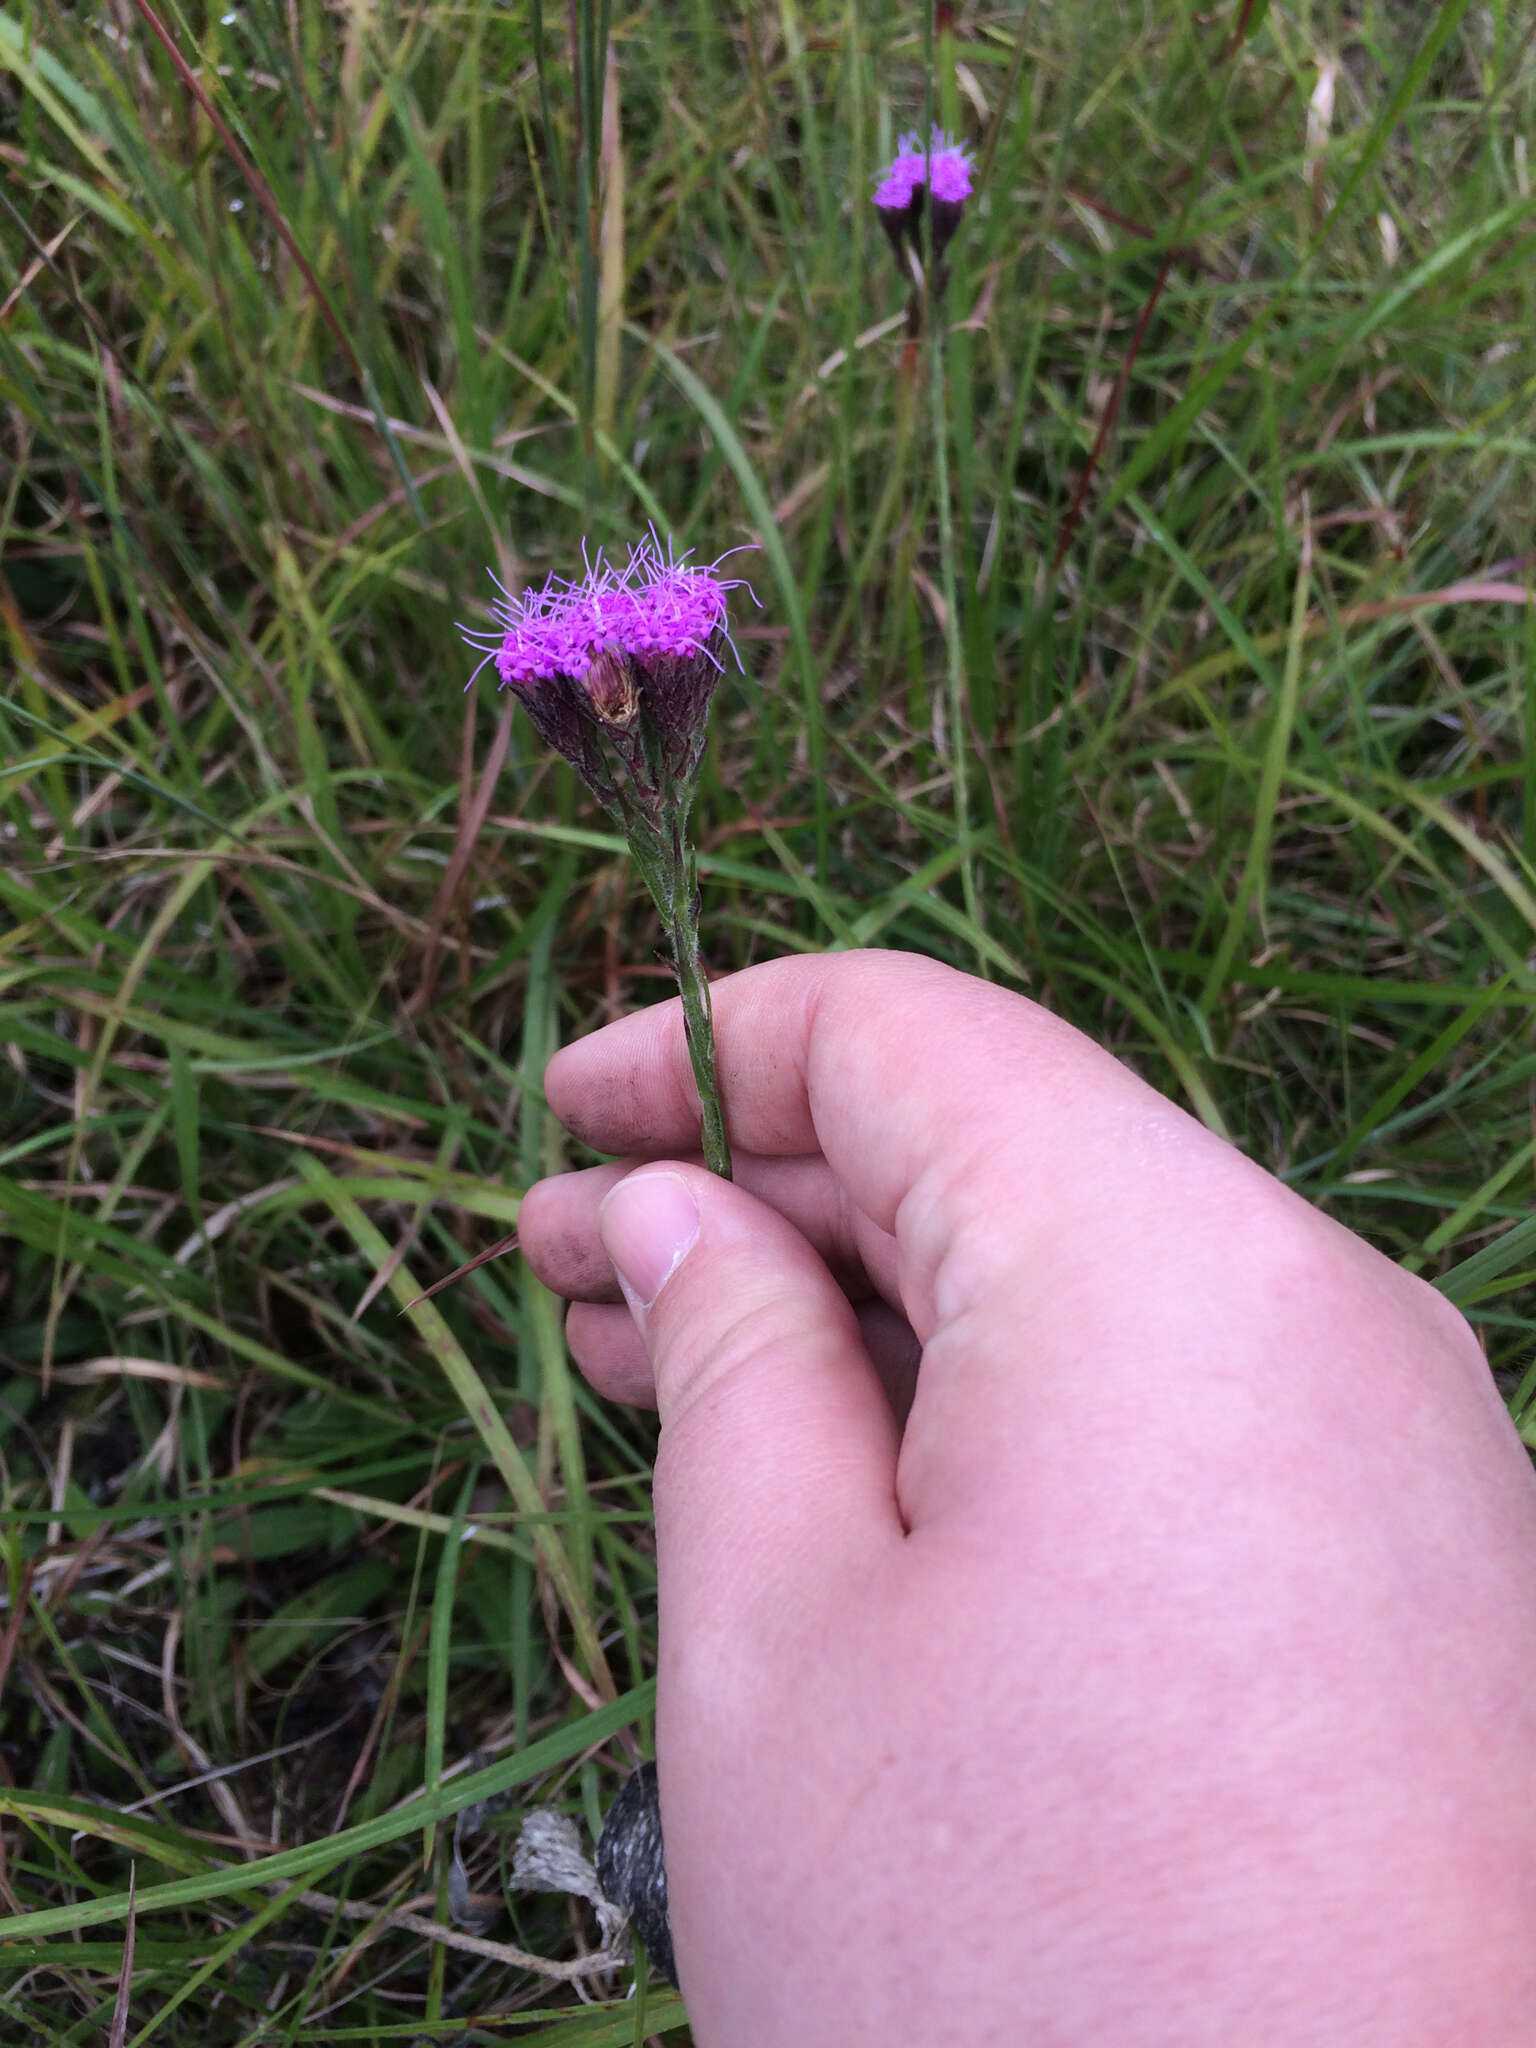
[
  {"x": 944, "y": 167},
  {"x": 938, "y": 177},
  {"x": 616, "y": 671}
]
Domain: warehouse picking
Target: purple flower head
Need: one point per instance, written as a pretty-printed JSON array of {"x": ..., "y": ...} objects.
[
  {"x": 937, "y": 178},
  {"x": 944, "y": 167},
  {"x": 617, "y": 671},
  {"x": 654, "y": 606},
  {"x": 902, "y": 178}
]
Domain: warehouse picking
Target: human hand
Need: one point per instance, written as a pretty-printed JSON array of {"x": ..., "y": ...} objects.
[{"x": 1170, "y": 1676}]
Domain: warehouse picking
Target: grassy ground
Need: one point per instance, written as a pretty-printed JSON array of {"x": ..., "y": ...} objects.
[{"x": 1168, "y": 655}]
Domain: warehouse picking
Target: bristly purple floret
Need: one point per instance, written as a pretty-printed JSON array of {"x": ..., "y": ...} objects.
[
  {"x": 616, "y": 673},
  {"x": 902, "y": 179},
  {"x": 944, "y": 167},
  {"x": 654, "y": 607}
]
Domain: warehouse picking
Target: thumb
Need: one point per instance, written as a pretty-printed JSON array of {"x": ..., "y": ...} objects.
[{"x": 778, "y": 1445}]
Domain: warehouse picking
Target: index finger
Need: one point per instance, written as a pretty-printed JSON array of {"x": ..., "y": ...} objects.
[{"x": 927, "y": 1091}]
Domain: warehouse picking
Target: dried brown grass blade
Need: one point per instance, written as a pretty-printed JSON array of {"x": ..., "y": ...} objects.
[
  {"x": 502, "y": 1244},
  {"x": 260, "y": 189},
  {"x": 119, "y": 2029},
  {"x": 472, "y": 816}
]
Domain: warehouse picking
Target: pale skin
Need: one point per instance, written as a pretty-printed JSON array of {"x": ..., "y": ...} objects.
[{"x": 1168, "y": 1673}]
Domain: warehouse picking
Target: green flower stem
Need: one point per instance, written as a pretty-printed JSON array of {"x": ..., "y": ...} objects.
[
  {"x": 667, "y": 865},
  {"x": 682, "y": 920}
]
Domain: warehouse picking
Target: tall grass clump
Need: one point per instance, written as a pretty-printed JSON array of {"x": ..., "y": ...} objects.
[{"x": 1154, "y": 633}]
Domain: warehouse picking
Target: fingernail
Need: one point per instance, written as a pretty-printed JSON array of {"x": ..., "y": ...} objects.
[{"x": 648, "y": 1225}]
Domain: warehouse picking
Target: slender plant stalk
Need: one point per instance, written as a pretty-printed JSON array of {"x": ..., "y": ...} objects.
[
  {"x": 954, "y": 650},
  {"x": 682, "y": 921},
  {"x": 670, "y": 871}
]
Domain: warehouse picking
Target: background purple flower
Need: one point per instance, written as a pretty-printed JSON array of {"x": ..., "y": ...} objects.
[
  {"x": 944, "y": 167},
  {"x": 933, "y": 180}
]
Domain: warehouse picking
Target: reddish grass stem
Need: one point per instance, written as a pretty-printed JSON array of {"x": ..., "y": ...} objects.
[{"x": 1111, "y": 412}]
